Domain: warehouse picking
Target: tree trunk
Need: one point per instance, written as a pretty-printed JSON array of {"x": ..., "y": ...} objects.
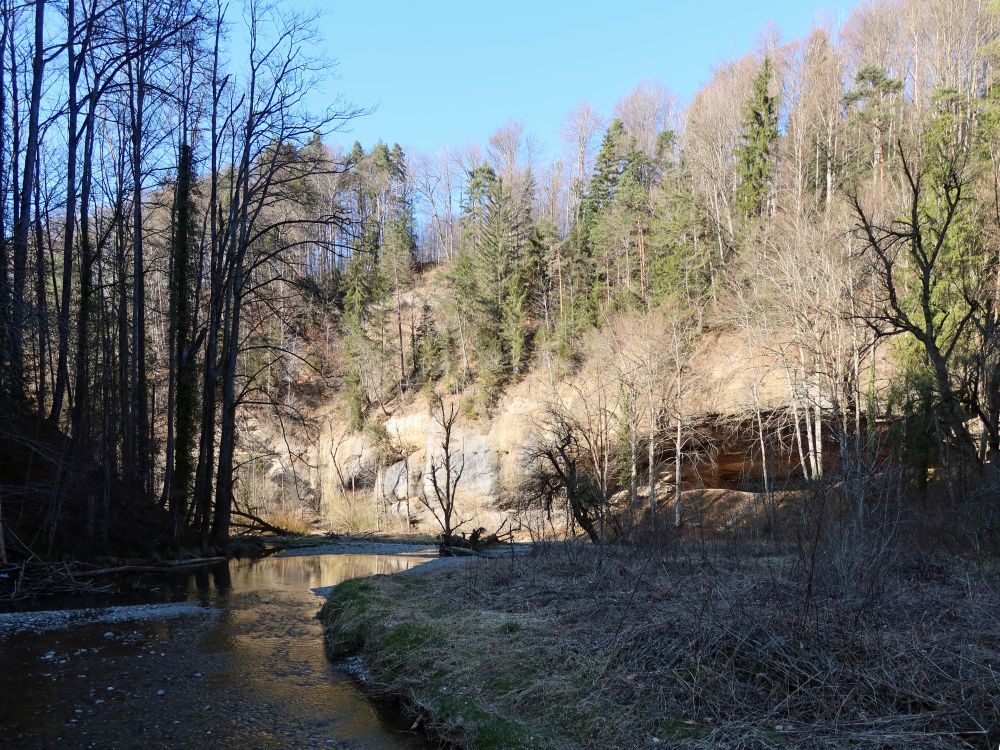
[
  {"x": 651, "y": 469},
  {"x": 678, "y": 483},
  {"x": 82, "y": 447},
  {"x": 69, "y": 226},
  {"x": 227, "y": 426},
  {"x": 138, "y": 465},
  {"x": 399, "y": 328},
  {"x": 41, "y": 312},
  {"x": 5, "y": 24},
  {"x": 23, "y": 224},
  {"x": 206, "y": 447}
]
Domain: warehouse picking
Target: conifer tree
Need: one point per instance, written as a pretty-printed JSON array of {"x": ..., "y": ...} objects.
[
  {"x": 493, "y": 261},
  {"x": 610, "y": 165},
  {"x": 396, "y": 262},
  {"x": 756, "y": 152},
  {"x": 616, "y": 226},
  {"x": 872, "y": 103},
  {"x": 494, "y": 275},
  {"x": 680, "y": 250},
  {"x": 364, "y": 286}
]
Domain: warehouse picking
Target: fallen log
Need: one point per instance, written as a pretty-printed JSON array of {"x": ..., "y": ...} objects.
[
  {"x": 165, "y": 567},
  {"x": 446, "y": 551},
  {"x": 261, "y": 524},
  {"x": 478, "y": 541}
]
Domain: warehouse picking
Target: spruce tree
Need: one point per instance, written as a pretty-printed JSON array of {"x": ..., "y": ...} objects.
[
  {"x": 364, "y": 287},
  {"x": 493, "y": 260},
  {"x": 756, "y": 152},
  {"x": 610, "y": 165},
  {"x": 397, "y": 262},
  {"x": 680, "y": 250},
  {"x": 492, "y": 277}
]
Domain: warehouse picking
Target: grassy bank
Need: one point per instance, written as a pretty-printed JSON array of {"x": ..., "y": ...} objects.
[{"x": 579, "y": 648}]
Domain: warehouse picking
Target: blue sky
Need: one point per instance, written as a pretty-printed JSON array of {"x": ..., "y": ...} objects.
[{"x": 449, "y": 72}]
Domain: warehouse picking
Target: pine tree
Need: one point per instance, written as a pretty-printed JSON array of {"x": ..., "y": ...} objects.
[
  {"x": 493, "y": 261},
  {"x": 610, "y": 165},
  {"x": 514, "y": 328},
  {"x": 617, "y": 223},
  {"x": 364, "y": 287},
  {"x": 872, "y": 101},
  {"x": 756, "y": 153},
  {"x": 397, "y": 263}
]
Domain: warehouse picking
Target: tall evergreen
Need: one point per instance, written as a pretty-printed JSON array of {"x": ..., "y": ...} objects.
[
  {"x": 680, "y": 250},
  {"x": 397, "y": 261},
  {"x": 494, "y": 259},
  {"x": 756, "y": 153},
  {"x": 611, "y": 164},
  {"x": 364, "y": 286},
  {"x": 492, "y": 278}
]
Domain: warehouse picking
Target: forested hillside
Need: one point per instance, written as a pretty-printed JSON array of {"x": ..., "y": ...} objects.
[{"x": 214, "y": 309}]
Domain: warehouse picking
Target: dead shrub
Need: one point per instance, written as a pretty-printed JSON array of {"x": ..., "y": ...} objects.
[{"x": 849, "y": 535}]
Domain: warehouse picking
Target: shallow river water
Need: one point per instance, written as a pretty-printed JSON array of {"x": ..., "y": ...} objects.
[{"x": 226, "y": 657}]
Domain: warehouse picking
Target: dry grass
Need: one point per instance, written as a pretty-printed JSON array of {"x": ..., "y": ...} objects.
[
  {"x": 394, "y": 537},
  {"x": 350, "y": 512},
  {"x": 291, "y": 519},
  {"x": 578, "y": 647}
]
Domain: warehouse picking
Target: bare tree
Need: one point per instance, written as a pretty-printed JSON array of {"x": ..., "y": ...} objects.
[
  {"x": 711, "y": 133},
  {"x": 435, "y": 183},
  {"x": 679, "y": 330},
  {"x": 579, "y": 131},
  {"x": 444, "y": 472},
  {"x": 559, "y": 474},
  {"x": 22, "y": 212},
  {"x": 921, "y": 295},
  {"x": 266, "y": 128},
  {"x": 646, "y": 111}
]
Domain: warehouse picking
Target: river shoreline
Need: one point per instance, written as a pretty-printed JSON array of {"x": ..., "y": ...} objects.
[
  {"x": 43, "y": 621},
  {"x": 584, "y": 649},
  {"x": 30, "y": 584},
  {"x": 227, "y": 656}
]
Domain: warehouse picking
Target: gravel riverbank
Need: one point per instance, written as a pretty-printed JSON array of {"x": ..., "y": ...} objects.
[{"x": 12, "y": 623}]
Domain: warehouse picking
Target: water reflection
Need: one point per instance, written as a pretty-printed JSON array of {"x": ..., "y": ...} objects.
[
  {"x": 311, "y": 571},
  {"x": 250, "y": 673}
]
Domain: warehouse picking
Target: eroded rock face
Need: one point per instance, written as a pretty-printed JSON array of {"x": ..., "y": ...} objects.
[
  {"x": 394, "y": 481},
  {"x": 397, "y": 484},
  {"x": 474, "y": 454},
  {"x": 409, "y": 429},
  {"x": 357, "y": 460},
  {"x": 392, "y": 459}
]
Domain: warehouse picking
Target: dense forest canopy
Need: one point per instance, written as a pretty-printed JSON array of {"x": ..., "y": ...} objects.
[{"x": 182, "y": 242}]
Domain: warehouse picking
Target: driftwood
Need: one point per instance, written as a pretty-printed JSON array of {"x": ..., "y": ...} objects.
[
  {"x": 26, "y": 579},
  {"x": 455, "y": 545},
  {"x": 259, "y": 524},
  {"x": 454, "y": 551},
  {"x": 162, "y": 568}
]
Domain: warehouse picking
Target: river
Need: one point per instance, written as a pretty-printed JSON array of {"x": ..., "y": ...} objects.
[{"x": 223, "y": 657}]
